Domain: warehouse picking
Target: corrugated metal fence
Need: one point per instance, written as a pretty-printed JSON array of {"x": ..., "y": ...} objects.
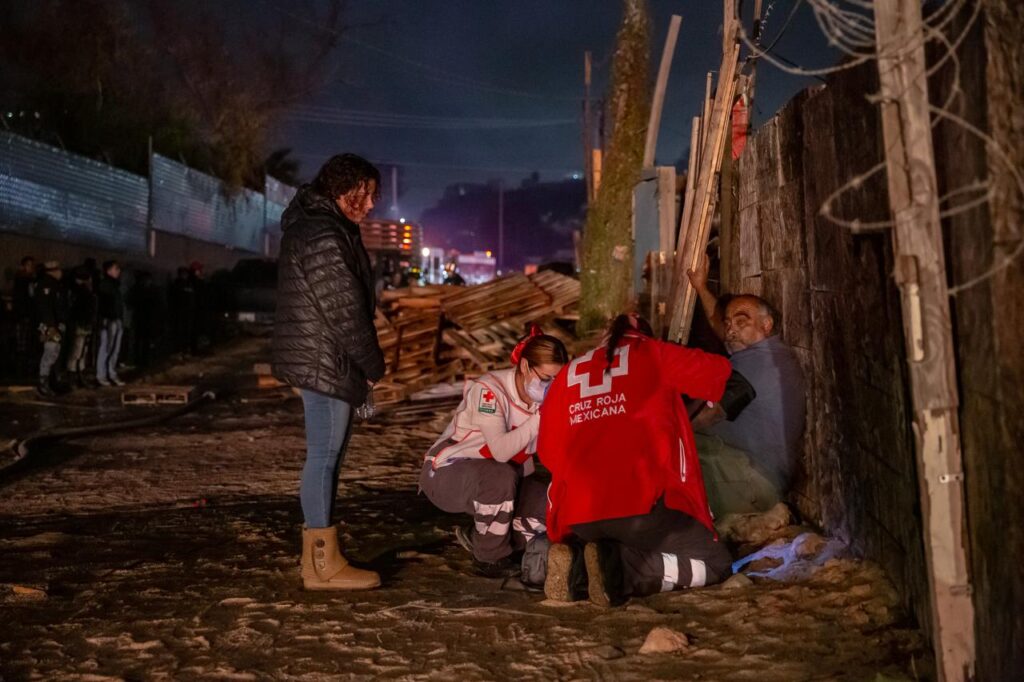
[
  {"x": 49, "y": 193},
  {"x": 278, "y": 196},
  {"x": 45, "y": 192}
]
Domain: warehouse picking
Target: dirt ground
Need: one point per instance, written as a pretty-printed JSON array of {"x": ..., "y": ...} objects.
[{"x": 171, "y": 552}]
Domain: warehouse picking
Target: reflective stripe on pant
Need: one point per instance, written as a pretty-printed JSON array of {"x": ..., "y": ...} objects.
[
  {"x": 662, "y": 550},
  {"x": 488, "y": 490},
  {"x": 528, "y": 520},
  {"x": 328, "y": 425}
]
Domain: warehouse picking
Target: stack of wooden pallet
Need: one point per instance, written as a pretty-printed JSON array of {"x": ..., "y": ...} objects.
[
  {"x": 564, "y": 292},
  {"x": 436, "y": 334}
]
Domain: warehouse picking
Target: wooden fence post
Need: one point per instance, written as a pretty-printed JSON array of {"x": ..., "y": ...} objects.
[{"x": 921, "y": 276}]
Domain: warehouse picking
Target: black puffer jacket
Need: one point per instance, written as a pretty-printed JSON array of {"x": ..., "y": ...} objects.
[{"x": 324, "y": 338}]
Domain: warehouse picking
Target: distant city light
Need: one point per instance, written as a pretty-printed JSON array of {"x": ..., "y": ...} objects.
[
  {"x": 488, "y": 253},
  {"x": 402, "y": 220},
  {"x": 576, "y": 176},
  {"x": 425, "y": 252}
]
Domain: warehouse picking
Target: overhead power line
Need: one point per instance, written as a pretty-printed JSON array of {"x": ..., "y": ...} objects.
[
  {"x": 454, "y": 167},
  {"x": 382, "y": 119},
  {"x": 430, "y": 71}
]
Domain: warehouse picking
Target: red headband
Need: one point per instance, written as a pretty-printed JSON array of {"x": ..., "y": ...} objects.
[{"x": 517, "y": 352}]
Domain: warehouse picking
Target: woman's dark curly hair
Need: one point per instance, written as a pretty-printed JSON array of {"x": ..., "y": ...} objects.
[{"x": 343, "y": 173}]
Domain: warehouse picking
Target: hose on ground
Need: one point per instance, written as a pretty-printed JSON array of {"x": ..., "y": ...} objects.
[{"x": 25, "y": 445}]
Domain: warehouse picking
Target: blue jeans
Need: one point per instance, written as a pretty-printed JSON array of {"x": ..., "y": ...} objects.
[
  {"x": 328, "y": 422},
  {"x": 108, "y": 349}
]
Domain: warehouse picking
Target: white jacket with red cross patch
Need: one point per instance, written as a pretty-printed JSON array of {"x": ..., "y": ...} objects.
[{"x": 492, "y": 422}]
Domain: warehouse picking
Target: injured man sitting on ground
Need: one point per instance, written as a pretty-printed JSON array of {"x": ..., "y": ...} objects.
[{"x": 748, "y": 459}]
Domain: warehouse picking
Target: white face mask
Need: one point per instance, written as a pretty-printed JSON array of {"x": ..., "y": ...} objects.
[{"x": 537, "y": 390}]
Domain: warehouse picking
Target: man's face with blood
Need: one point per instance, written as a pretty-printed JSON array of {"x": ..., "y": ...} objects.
[{"x": 745, "y": 324}]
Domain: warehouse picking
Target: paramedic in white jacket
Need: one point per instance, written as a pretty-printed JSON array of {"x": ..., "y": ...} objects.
[{"x": 482, "y": 463}]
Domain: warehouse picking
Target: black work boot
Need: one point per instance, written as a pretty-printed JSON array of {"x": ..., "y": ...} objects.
[
  {"x": 506, "y": 567},
  {"x": 567, "y": 573},
  {"x": 604, "y": 572},
  {"x": 43, "y": 388}
]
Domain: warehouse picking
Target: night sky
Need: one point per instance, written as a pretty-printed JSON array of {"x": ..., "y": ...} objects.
[{"x": 457, "y": 65}]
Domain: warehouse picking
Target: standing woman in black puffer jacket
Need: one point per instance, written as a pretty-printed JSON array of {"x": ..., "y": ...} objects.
[{"x": 325, "y": 345}]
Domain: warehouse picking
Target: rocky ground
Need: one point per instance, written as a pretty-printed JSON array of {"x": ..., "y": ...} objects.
[{"x": 170, "y": 552}]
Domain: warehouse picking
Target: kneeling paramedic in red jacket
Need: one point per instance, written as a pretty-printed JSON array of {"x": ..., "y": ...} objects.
[
  {"x": 482, "y": 463},
  {"x": 625, "y": 475}
]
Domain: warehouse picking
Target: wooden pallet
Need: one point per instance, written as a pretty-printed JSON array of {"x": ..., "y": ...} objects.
[
  {"x": 157, "y": 395},
  {"x": 563, "y": 291},
  {"x": 514, "y": 296},
  {"x": 386, "y": 393},
  {"x": 441, "y": 334}
]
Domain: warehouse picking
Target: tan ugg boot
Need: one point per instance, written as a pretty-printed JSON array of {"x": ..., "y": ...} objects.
[{"x": 325, "y": 568}]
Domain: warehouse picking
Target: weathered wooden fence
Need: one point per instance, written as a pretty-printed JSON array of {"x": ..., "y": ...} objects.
[{"x": 840, "y": 311}]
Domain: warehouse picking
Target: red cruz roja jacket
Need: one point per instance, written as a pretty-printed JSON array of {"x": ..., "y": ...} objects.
[{"x": 616, "y": 440}]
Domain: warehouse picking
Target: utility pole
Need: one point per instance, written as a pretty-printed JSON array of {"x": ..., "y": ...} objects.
[
  {"x": 151, "y": 235},
  {"x": 588, "y": 133},
  {"x": 727, "y": 181},
  {"x": 501, "y": 225},
  {"x": 394, "y": 191},
  {"x": 921, "y": 276}
]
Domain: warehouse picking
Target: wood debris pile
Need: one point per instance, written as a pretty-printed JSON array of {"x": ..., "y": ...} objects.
[{"x": 437, "y": 334}]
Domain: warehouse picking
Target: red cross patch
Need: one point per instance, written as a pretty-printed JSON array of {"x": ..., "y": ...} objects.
[
  {"x": 588, "y": 371},
  {"x": 488, "y": 402}
]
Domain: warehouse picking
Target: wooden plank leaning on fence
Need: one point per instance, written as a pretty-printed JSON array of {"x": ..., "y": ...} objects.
[
  {"x": 692, "y": 170},
  {"x": 693, "y": 238},
  {"x": 660, "y": 264},
  {"x": 931, "y": 358},
  {"x": 658, "y": 101},
  {"x": 705, "y": 116}
]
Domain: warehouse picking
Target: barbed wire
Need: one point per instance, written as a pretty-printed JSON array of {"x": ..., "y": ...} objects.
[
  {"x": 994, "y": 148},
  {"x": 848, "y": 25},
  {"x": 846, "y": 34},
  {"x": 955, "y": 93}
]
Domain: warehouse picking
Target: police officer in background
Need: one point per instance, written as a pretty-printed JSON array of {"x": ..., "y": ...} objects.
[{"x": 51, "y": 321}]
